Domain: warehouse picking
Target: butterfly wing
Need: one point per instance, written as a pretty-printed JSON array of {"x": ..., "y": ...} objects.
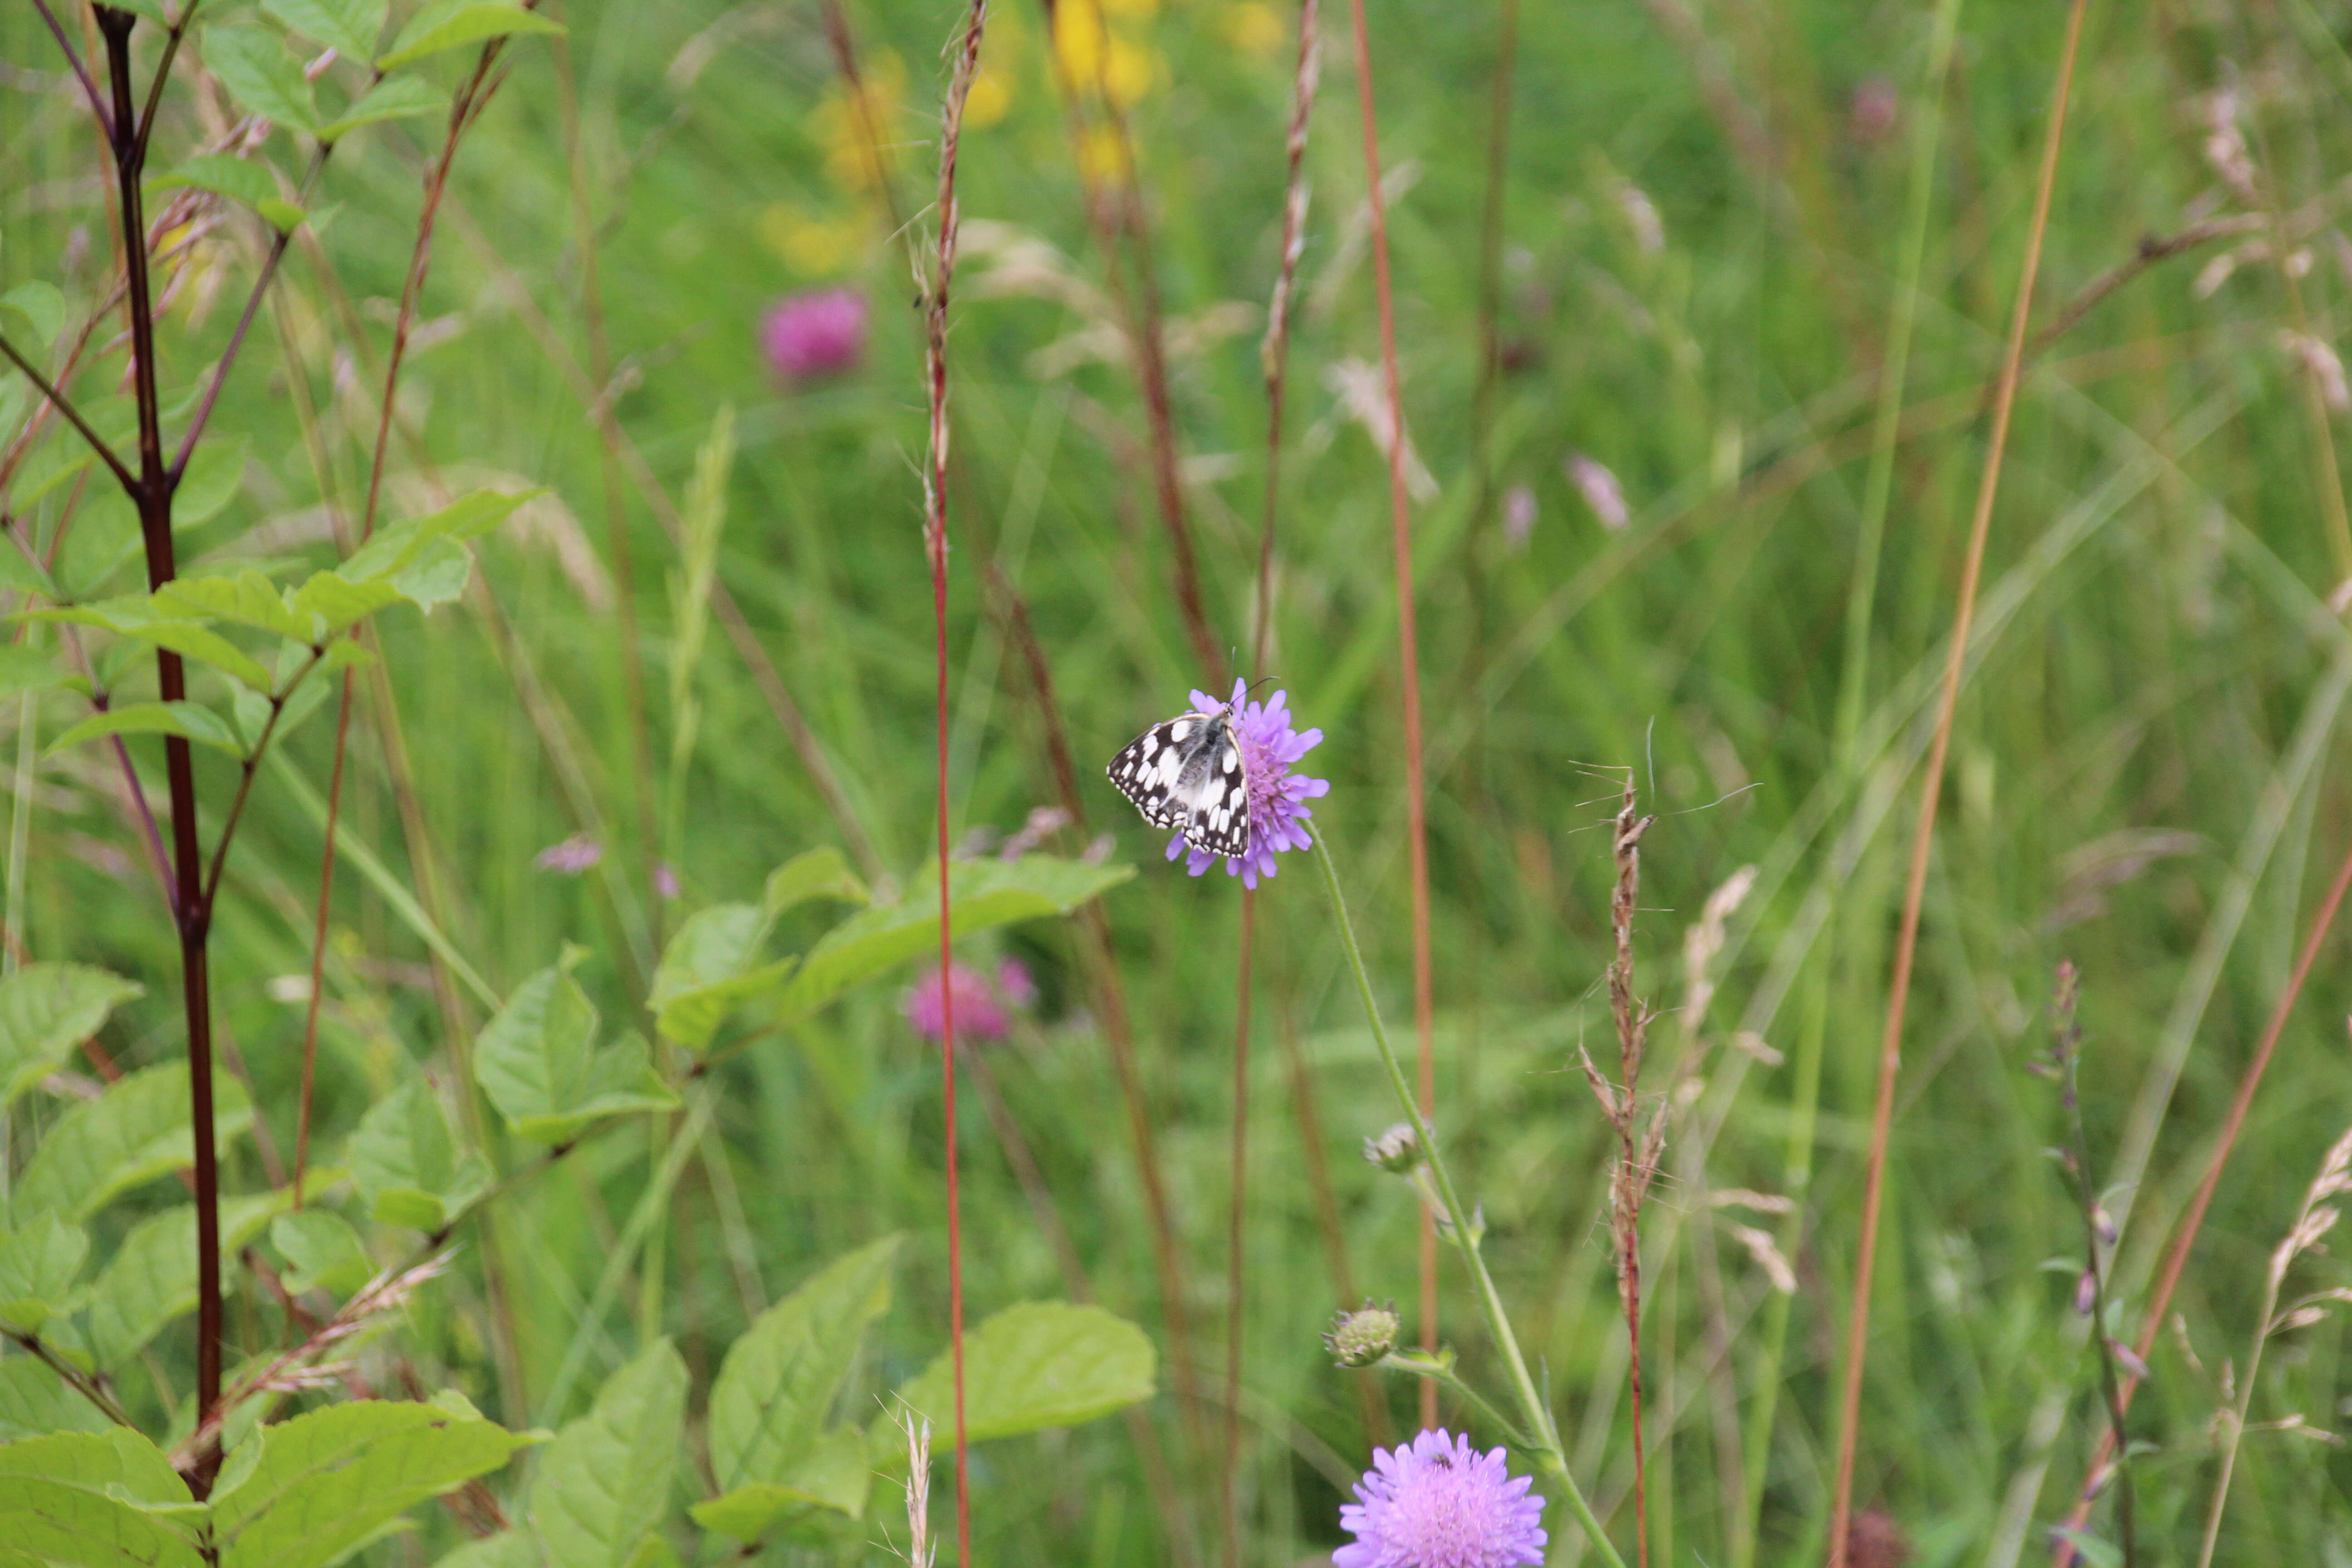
[
  {"x": 1148, "y": 770},
  {"x": 1214, "y": 794}
]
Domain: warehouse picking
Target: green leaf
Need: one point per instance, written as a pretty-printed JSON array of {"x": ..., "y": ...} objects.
[
  {"x": 349, "y": 27},
  {"x": 206, "y": 646},
  {"x": 981, "y": 893},
  {"x": 708, "y": 969},
  {"x": 150, "y": 1278},
  {"x": 240, "y": 179},
  {"x": 452, "y": 24},
  {"x": 539, "y": 1062},
  {"x": 393, "y": 97},
  {"x": 833, "y": 1474},
  {"x": 189, "y": 721},
  {"x": 2092, "y": 1549},
  {"x": 1033, "y": 1365},
  {"x": 775, "y": 1388},
  {"x": 105, "y": 1500},
  {"x": 413, "y": 560},
  {"x": 435, "y": 575},
  {"x": 46, "y": 1010},
  {"x": 336, "y": 603},
  {"x": 214, "y": 474},
  {"x": 506, "y": 1549},
  {"x": 604, "y": 1483},
  {"x": 41, "y": 310},
  {"x": 254, "y": 64},
  {"x": 248, "y": 599},
  {"x": 326, "y": 1253},
  {"x": 38, "y": 1266},
  {"x": 404, "y": 1162},
  {"x": 23, "y": 668},
  {"x": 134, "y": 1132},
  {"x": 328, "y": 1481},
  {"x": 821, "y": 873},
  {"x": 34, "y": 1400}
]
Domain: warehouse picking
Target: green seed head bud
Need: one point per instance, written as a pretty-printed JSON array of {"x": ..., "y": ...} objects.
[
  {"x": 1396, "y": 1149},
  {"x": 1362, "y": 1337}
]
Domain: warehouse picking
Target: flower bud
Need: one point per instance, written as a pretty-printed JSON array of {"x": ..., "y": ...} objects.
[
  {"x": 1397, "y": 1150},
  {"x": 1362, "y": 1337},
  {"x": 2086, "y": 1293}
]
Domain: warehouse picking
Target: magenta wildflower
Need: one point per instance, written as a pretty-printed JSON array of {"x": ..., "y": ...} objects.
[
  {"x": 574, "y": 855},
  {"x": 1278, "y": 797},
  {"x": 813, "y": 334},
  {"x": 983, "y": 1010},
  {"x": 1440, "y": 1503}
]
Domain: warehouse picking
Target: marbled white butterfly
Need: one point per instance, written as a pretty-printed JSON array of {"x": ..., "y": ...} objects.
[{"x": 1188, "y": 773}]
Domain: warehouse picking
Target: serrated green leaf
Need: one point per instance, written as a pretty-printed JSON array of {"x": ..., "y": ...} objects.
[
  {"x": 339, "y": 604},
  {"x": 393, "y": 97},
  {"x": 1034, "y": 1365},
  {"x": 435, "y": 576},
  {"x": 134, "y": 1132},
  {"x": 708, "y": 969},
  {"x": 539, "y": 1062},
  {"x": 34, "y": 1400},
  {"x": 41, "y": 308},
  {"x": 37, "y": 1265},
  {"x": 188, "y": 721},
  {"x": 405, "y": 1162},
  {"x": 777, "y": 1385},
  {"x": 324, "y": 1251},
  {"x": 248, "y": 599},
  {"x": 205, "y": 646},
  {"x": 452, "y": 24},
  {"x": 981, "y": 893},
  {"x": 259, "y": 72},
  {"x": 150, "y": 1278},
  {"x": 330, "y": 1480},
  {"x": 46, "y": 1010},
  {"x": 102, "y": 1500},
  {"x": 605, "y": 1482},
  {"x": 349, "y": 27},
  {"x": 821, "y": 873},
  {"x": 833, "y": 1474}
]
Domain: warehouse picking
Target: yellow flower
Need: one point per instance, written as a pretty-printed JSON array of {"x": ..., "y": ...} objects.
[
  {"x": 811, "y": 245},
  {"x": 1099, "y": 60},
  {"x": 1129, "y": 7},
  {"x": 857, "y": 146},
  {"x": 991, "y": 95},
  {"x": 1102, "y": 155},
  {"x": 1253, "y": 28}
]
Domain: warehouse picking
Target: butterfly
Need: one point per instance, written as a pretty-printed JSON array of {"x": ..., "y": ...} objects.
[{"x": 1188, "y": 773}]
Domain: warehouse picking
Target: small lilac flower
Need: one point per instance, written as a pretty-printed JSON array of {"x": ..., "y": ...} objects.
[
  {"x": 665, "y": 880},
  {"x": 1600, "y": 490},
  {"x": 813, "y": 334},
  {"x": 574, "y": 855},
  {"x": 984, "y": 1011},
  {"x": 1440, "y": 1503},
  {"x": 1278, "y": 797},
  {"x": 1518, "y": 517}
]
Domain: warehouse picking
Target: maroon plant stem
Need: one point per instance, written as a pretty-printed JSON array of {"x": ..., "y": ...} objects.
[
  {"x": 935, "y": 539},
  {"x": 73, "y": 416},
  {"x": 2176, "y": 1259},
  {"x": 1416, "y": 815}
]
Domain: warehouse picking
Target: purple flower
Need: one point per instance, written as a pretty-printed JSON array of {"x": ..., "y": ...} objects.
[
  {"x": 813, "y": 334},
  {"x": 1440, "y": 1503},
  {"x": 1278, "y": 797},
  {"x": 1518, "y": 517},
  {"x": 569, "y": 858},
  {"x": 983, "y": 1010}
]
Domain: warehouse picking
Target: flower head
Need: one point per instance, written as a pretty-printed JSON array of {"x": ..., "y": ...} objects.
[
  {"x": 1278, "y": 797},
  {"x": 1440, "y": 1503},
  {"x": 1362, "y": 1337},
  {"x": 1396, "y": 1149},
  {"x": 983, "y": 1009},
  {"x": 813, "y": 334}
]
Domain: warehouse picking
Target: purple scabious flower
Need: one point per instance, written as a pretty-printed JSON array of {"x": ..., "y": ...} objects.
[
  {"x": 1440, "y": 1503},
  {"x": 1278, "y": 797},
  {"x": 812, "y": 334},
  {"x": 983, "y": 1008}
]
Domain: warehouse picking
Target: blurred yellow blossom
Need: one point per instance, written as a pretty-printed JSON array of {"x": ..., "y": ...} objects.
[
  {"x": 1253, "y": 28},
  {"x": 858, "y": 146},
  {"x": 1097, "y": 60},
  {"x": 1102, "y": 155},
  {"x": 811, "y": 244},
  {"x": 992, "y": 89},
  {"x": 1128, "y": 7}
]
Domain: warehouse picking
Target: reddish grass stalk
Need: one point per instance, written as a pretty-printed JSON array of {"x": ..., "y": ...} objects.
[
  {"x": 1416, "y": 814},
  {"x": 1924, "y": 833},
  {"x": 935, "y": 541},
  {"x": 2176, "y": 1259}
]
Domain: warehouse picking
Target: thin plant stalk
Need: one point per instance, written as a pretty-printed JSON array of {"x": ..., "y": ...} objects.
[
  {"x": 1858, "y": 1337},
  {"x": 935, "y": 541},
  {"x": 2176, "y": 1259},
  {"x": 1409, "y": 657},
  {"x": 1540, "y": 1430},
  {"x": 1229, "y": 1454}
]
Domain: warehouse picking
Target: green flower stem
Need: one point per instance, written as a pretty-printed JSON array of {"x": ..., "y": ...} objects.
[
  {"x": 1550, "y": 1456},
  {"x": 1418, "y": 1363}
]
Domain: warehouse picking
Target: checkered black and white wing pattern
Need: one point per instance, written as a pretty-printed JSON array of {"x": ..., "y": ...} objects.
[{"x": 1187, "y": 773}]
